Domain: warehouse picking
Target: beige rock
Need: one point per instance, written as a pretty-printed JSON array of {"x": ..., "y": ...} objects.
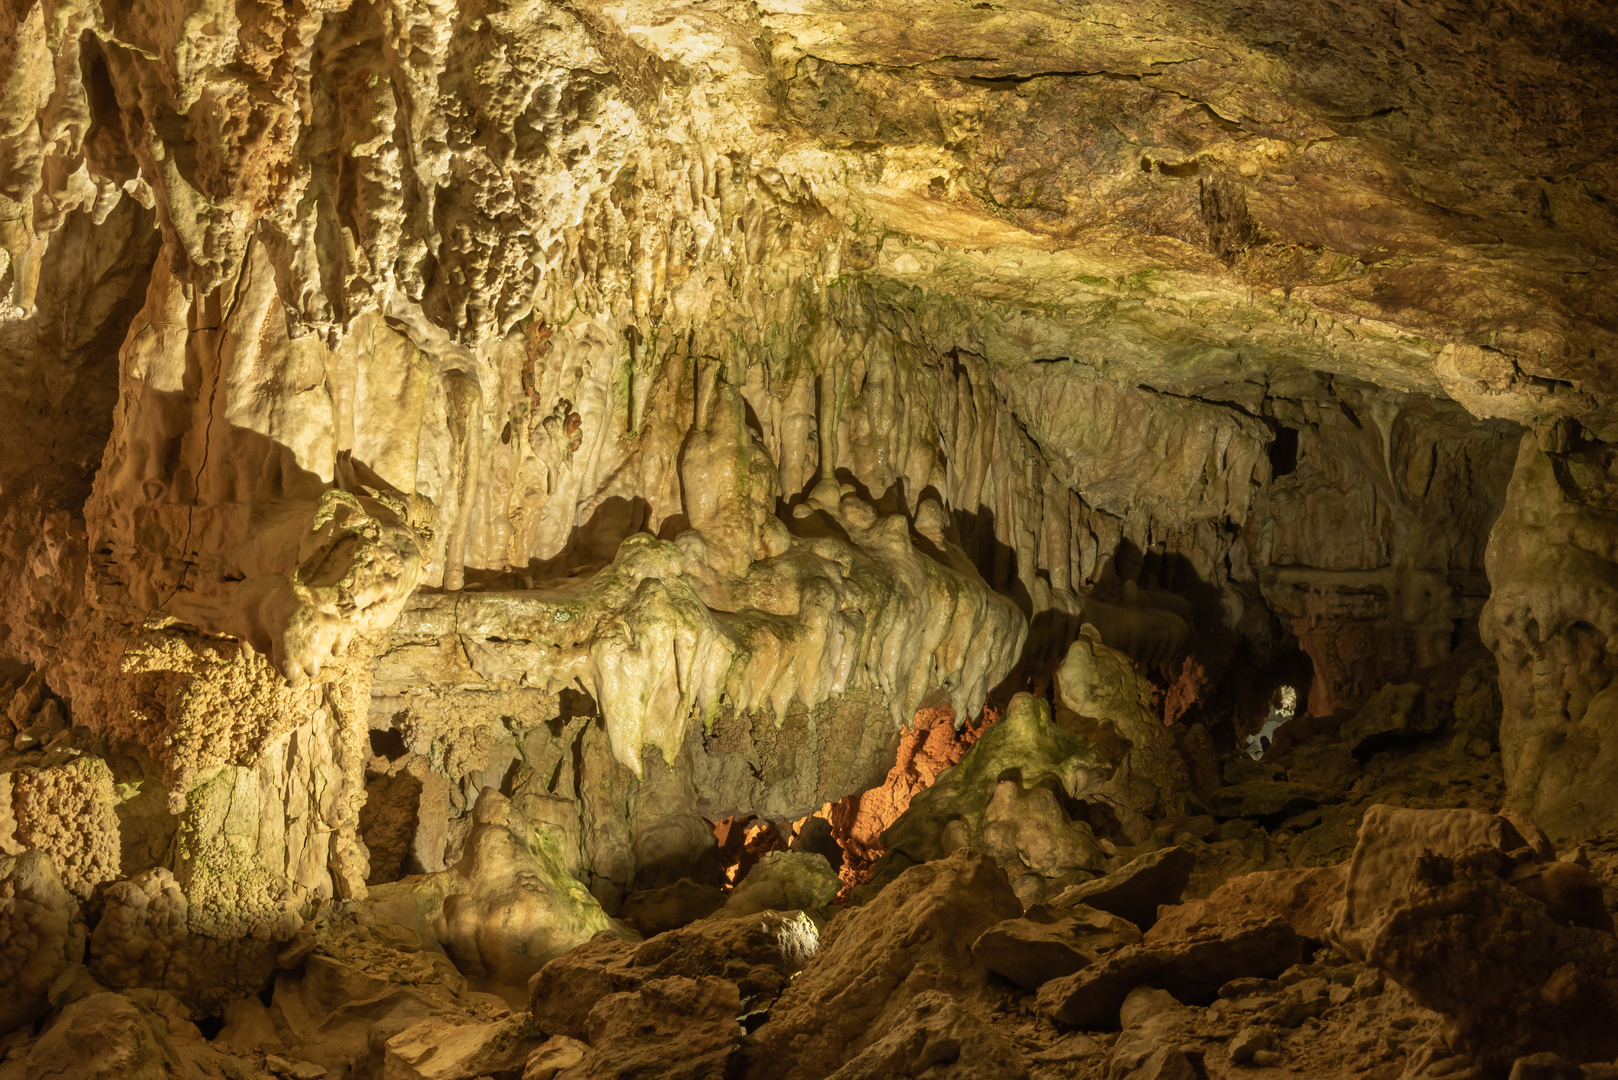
[
  {"x": 67, "y": 810},
  {"x": 149, "y": 936},
  {"x": 248, "y": 1027},
  {"x": 367, "y": 981},
  {"x": 1396, "y": 712},
  {"x": 107, "y": 1036},
  {"x": 1164, "y": 1063},
  {"x": 41, "y": 936},
  {"x": 977, "y": 803},
  {"x": 557, "y": 1053},
  {"x": 507, "y": 907},
  {"x": 1097, "y": 681},
  {"x": 763, "y": 372},
  {"x": 672, "y": 906},
  {"x": 784, "y": 881},
  {"x": 1551, "y": 610},
  {"x": 1510, "y": 979},
  {"x": 441, "y": 1048}
]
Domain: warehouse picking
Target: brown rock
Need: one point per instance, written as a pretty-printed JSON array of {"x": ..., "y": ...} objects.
[
  {"x": 744, "y": 952},
  {"x": 672, "y": 1029},
  {"x": 654, "y": 911},
  {"x": 107, "y": 1037},
  {"x": 915, "y": 936},
  {"x": 1192, "y": 968},
  {"x": 939, "y": 1039},
  {"x": 1390, "y": 841},
  {"x": 1510, "y": 978},
  {"x": 558, "y": 1052},
  {"x": 1165, "y": 1063},
  {"x": 1137, "y": 889},
  {"x": 1263, "y": 799},
  {"x": 1570, "y": 892},
  {"x": 40, "y": 936},
  {"x": 1305, "y": 897},
  {"x": 1394, "y": 714},
  {"x": 1545, "y": 1066},
  {"x": 1050, "y": 942}
]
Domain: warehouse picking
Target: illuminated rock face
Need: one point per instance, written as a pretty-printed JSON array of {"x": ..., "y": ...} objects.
[{"x": 622, "y": 417}]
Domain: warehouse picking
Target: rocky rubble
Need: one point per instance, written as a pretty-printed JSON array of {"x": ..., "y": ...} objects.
[{"x": 1441, "y": 925}]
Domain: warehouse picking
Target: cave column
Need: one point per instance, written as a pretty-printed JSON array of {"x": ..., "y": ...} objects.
[{"x": 1551, "y": 619}]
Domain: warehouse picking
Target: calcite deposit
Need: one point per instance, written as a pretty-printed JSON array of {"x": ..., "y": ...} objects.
[{"x": 819, "y": 539}]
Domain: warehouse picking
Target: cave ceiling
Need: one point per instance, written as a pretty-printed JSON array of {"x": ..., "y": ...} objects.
[
  {"x": 477, "y": 464},
  {"x": 1202, "y": 198}
]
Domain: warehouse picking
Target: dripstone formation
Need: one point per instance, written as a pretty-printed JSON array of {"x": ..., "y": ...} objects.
[{"x": 808, "y": 540}]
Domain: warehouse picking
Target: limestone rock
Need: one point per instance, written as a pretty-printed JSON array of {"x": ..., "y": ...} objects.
[
  {"x": 784, "y": 881},
  {"x": 558, "y": 1053},
  {"x": 1511, "y": 979},
  {"x": 977, "y": 803},
  {"x": 643, "y": 411},
  {"x": 40, "y": 936},
  {"x": 1547, "y": 1066},
  {"x": 1137, "y": 889},
  {"x": 653, "y": 911},
  {"x": 146, "y": 919},
  {"x": 1551, "y": 611},
  {"x": 439, "y": 1048},
  {"x": 1305, "y": 898},
  {"x": 366, "y": 981},
  {"x": 756, "y": 953},
  {"x": 1050, "y": 941},
  {"x": 1164, "y": 1063},
  {"x": 403, "y": 822},
  {"x": 147, "y": 938},
  {"x": 916, "y": 935},
  {"x": 1572, "y": 895},
  {"x": 508, "y": 906},
  {"x": 1249, "y": 1041},
  {"x": 1391, "y": 844},
  {"x": 1191, "y": 968},
  {"x": 1100, "y": 682},
  {"x": 247, "y": 1027},
  {"x": 1155, "y": 1028},
  {"x": 937, "y": 1038},
  {"x": 1263, "y": 799},
  {"x": 1396, "y": 712},
  {"x": 675, "y": 1027},
  {"x": 107, "y": 1036},
  {"x": 67, "y": 810}
]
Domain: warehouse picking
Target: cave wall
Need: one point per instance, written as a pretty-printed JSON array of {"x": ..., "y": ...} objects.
[{"x": 762, "y": 374}]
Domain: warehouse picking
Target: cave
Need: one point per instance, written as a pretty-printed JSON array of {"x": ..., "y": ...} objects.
[{"x": 1011, "y": 540}]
